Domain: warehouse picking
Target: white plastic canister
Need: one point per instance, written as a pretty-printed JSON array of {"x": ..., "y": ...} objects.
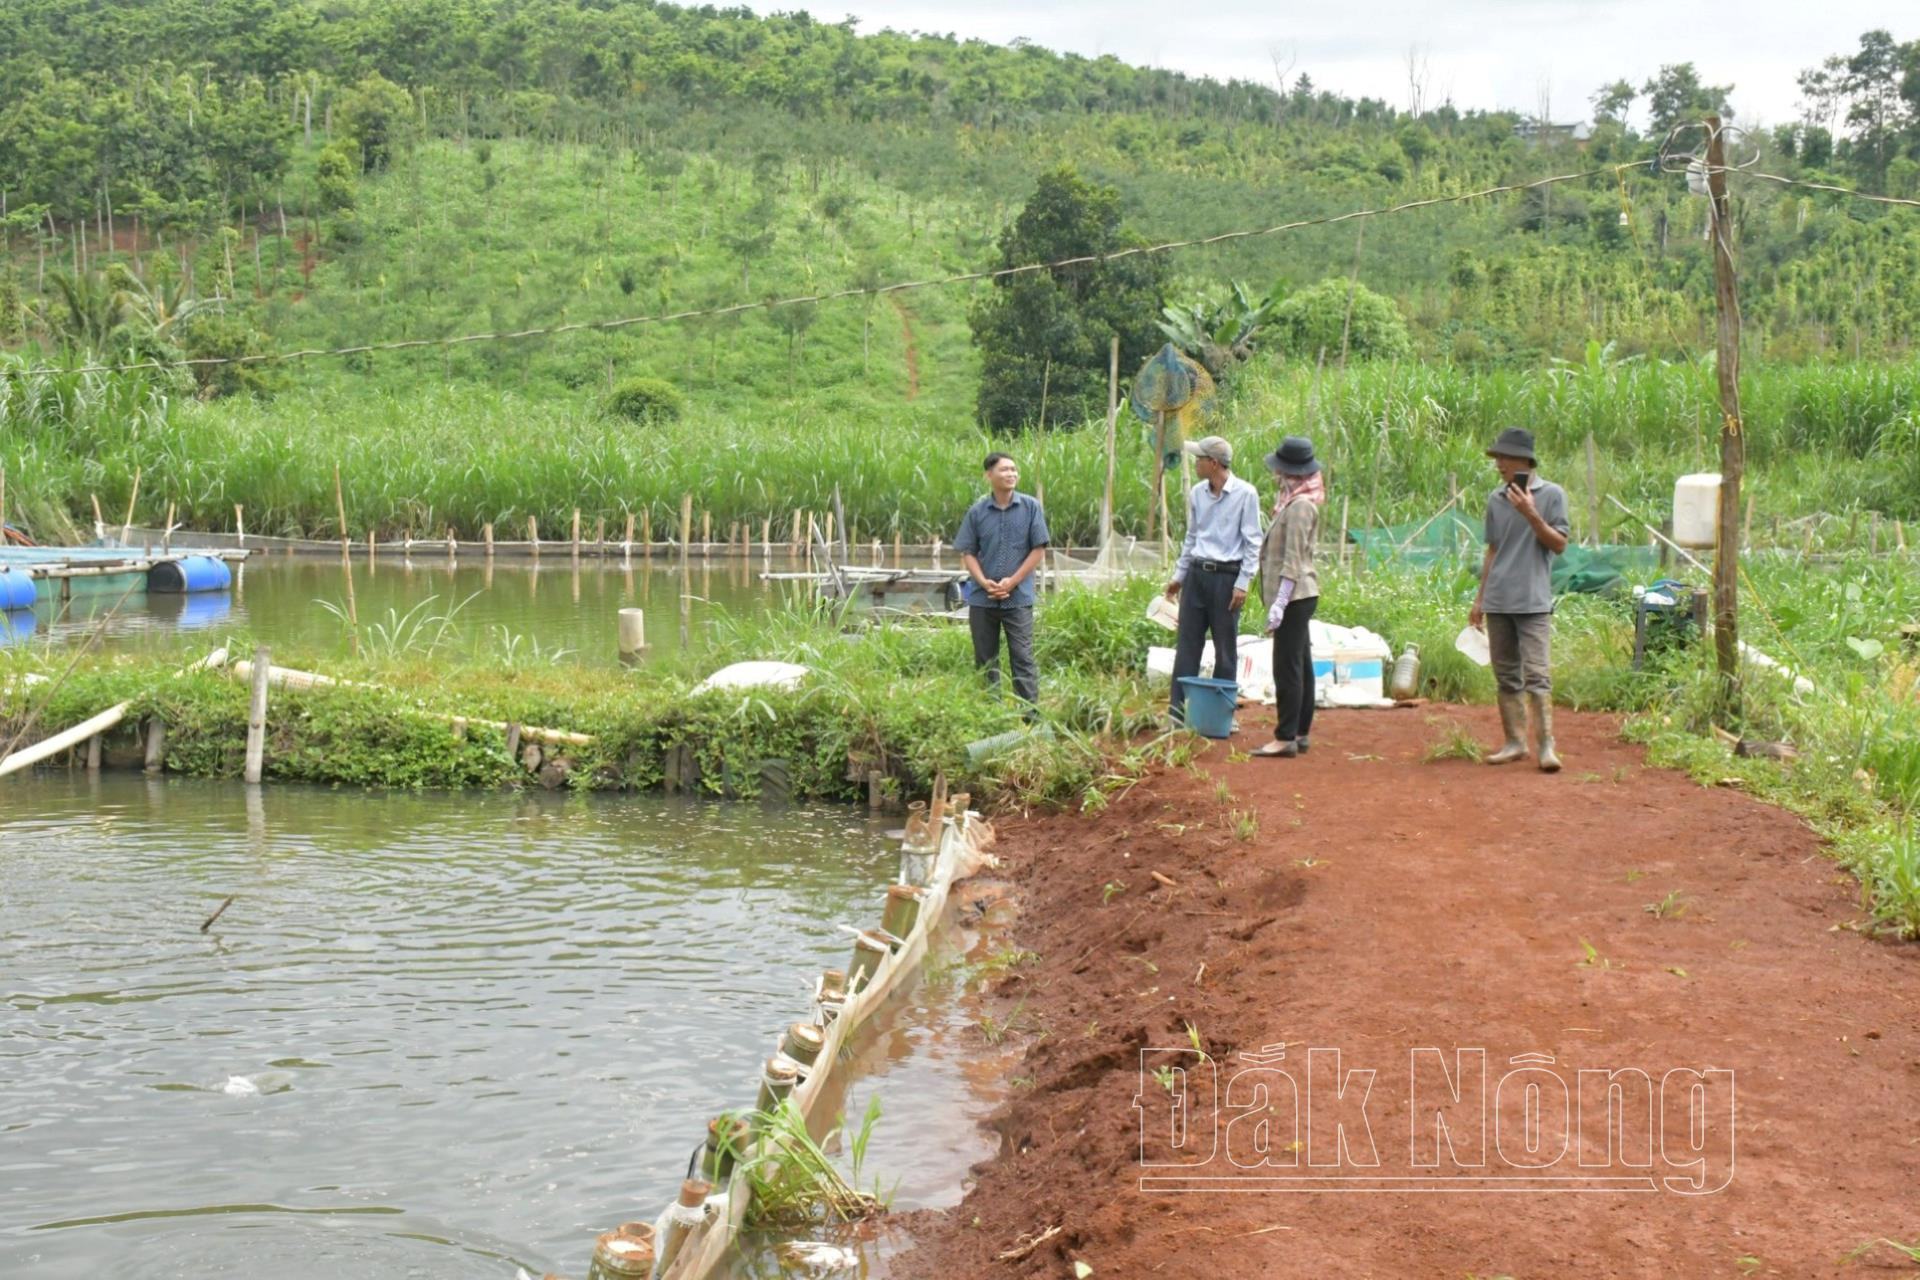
[{"x": 1696, "y": 509}]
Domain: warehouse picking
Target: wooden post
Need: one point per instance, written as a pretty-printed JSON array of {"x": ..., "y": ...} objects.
[
  {"x": 533, "y": 536},
  {"x": 686, "y": 523},
  {"x": 346, "y": 563},
  {"x": 600, "y": 535},
  {"x": 257, "y": 715},
  {"x": 1733, "y": 440},
  {"x": 373, "y": 549},
  {"x": 794, "y": 542},
  {"x": 239, "y": 524},
  {"x": 453, "y": 548},
  {"x": 898, "y": 547},
  {"x": 134, "y": 497},
  {"x": 166, "y": 534},
  {"x": 93, "y": 754},
  {"x": 486, "y": 537},
  {"x": 156, "y": 760},
  {"x": 1593, "y": 492},
  {"x": 766, "y": 541},
  {"x": 633, "y": 634},
  {"x": 626, "y": 543},
  {"x": 706, "y": 532},
  {"x": 576, "y": 533},
  {"x": 646, "y": 531},
  {"x": 1343, "y": 530}
]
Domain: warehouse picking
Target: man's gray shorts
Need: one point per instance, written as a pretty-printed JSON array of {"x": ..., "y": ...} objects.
[{"x": 1522, "y": 648}]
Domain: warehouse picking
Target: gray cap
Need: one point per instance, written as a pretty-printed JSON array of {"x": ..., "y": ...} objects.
[{"x": 1214, "y": 447}]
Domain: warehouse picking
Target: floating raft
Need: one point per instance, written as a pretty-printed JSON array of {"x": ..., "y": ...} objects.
[{"x": 25, "y": 572}]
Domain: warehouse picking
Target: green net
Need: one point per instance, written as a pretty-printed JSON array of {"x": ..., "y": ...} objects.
[{"x": 1454, "y": 535}]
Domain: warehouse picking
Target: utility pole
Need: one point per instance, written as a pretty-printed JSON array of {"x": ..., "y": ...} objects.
[{"x": 1733, "y": 441}]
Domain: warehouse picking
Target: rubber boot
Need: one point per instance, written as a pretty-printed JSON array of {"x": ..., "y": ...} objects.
[
  {"x": 1513, "y": 719},
  {"x": 1543, "y": 731}
]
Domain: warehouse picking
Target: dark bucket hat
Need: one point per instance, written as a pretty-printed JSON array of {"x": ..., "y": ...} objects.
[
  {"x": 1294, "y": 457},
  {"x": 1514, "y": 442}
]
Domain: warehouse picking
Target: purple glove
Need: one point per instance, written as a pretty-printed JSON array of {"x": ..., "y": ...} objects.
[{"x": 1280, "y": 601}]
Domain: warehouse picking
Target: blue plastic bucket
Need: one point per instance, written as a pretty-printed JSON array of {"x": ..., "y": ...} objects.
[
  {"x": 1210, "y": 705},
  {"x": 194, "y": 573},
  {"x": 16, "y": 590}
]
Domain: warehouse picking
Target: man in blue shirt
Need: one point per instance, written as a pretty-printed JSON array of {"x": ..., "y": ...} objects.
[
  {"x": 1002, "y": 540},
  {"x": 1217, "y": 561}
]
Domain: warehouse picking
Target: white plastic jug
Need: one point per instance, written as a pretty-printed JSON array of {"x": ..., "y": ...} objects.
[{"x": 1696, "y": 509}]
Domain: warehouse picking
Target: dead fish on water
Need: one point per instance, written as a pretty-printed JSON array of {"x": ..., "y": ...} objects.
[{"x": 817, "y": 1257}]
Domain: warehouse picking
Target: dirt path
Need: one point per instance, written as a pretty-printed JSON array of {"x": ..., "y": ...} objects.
[
  {"x": 1387, "y": 906},
  {"x": 913, "y": 347}
]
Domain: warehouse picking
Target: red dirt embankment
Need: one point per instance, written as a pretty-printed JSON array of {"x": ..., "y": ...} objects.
[{"x": 1614, "y": 918}]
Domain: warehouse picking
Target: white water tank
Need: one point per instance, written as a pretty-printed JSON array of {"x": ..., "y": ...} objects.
[{"x": 1696, "y": 509}]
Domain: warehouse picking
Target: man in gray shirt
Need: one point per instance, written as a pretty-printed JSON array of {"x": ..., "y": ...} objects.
[
  {"x": 1527, "y": 527},
  {"x": 1217, "y": 561},
  {"x": 1002, "y": 540}
]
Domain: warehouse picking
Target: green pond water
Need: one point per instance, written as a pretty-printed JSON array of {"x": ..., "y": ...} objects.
[
  {"x": 555, "y": 608},
  {"x": 433, "y": 1036}
]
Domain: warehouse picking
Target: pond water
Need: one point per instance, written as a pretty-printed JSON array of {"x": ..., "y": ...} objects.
[
  {"x": 554, "y": 607},
  {"x": 433, "y": 1035}
]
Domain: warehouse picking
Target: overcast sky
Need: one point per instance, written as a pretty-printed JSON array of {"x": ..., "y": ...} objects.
[{"x": 1478, "y": 53}]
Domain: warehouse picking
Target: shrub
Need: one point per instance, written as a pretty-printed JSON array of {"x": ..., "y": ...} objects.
[
  {"x": 646, "y": 400},
  {"x": 1314, "y": 320}
]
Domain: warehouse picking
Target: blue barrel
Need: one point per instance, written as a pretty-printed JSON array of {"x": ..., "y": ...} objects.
[
  {"x": 17, "y": 590},
  {"x": 193, "y": 573},
  {"x": 17, "y": 626},
  {"x": 1210, "y": 705}
]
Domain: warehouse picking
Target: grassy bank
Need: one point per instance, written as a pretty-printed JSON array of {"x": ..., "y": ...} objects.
[{"x": 1842, "y": 440}]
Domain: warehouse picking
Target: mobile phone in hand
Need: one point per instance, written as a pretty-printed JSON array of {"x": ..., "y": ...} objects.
[{"x": 1521, "y": 480}]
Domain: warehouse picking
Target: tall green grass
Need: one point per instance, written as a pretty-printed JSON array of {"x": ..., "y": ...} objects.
[{"x": 1397, "y": 441}]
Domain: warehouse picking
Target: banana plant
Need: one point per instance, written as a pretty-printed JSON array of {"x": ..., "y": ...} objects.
[{"x": 1220, "y": 334}]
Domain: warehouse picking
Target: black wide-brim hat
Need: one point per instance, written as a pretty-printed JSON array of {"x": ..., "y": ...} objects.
[
  {"x": 1514, "y": 442},
  {"x": 1294, "y": 457}
]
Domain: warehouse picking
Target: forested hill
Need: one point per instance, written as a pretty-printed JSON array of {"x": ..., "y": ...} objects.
[
  {"x": 467, "y": 53},
  {"x": 357, "y": 170}
]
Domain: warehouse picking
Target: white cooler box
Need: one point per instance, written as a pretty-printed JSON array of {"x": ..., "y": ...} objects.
[{"x": 1349, "y": 666}]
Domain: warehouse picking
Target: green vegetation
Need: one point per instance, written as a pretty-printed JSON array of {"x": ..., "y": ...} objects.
[
  {"x": 1843, "y": 441},
  {"x": 333, "y": 176}
]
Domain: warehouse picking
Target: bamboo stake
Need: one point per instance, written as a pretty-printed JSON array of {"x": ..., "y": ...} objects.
[
  {"x": 132, "y": 498},
  {"x": 486, "y": 537},
  {"x": 1113, "y": 418},
  {"x": 99, "y": 524},
  {"x": 533, "y": 536},
  {"x": 600, "y": 535},
  {"x": 897, "y": 558},
  {"x": 346, "y": 564},
  {"x": 166, "y": 534},
  {"x": 373, "y": 549},
  {"x": 686, "y": 523},
  {"x": 1593, "y": 492},
  {"x": 626, "y": 543},
  {"x": 646, "y": 531},
  {"x": 706, "y": 532},
  {"x": 576, "y": 533},
  {"x": 257, "y": 715},
  {"x": 794, "y": 541},
  {"x": 240, "y": 524},
  {"x": 453, "y": 548},
  {"x": 766, "y": 541}
]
